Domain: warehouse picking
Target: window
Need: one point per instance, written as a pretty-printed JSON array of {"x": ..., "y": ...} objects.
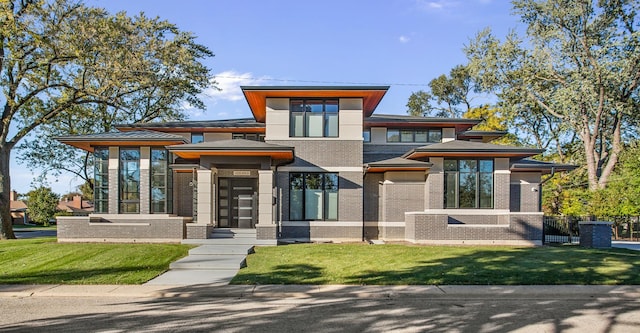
[
  {"x": 393, "y": 135},
  {"x": 160, "y": 178},
  {"x": 468, "y": 184},
  {"x": 197, "y": 137},
  {"x": 101, "y": 180},
  {"x": 313, "y": 196},
  {"x": 248, "y": 136},
  {"x": 414, "y": 135},
  {"x": 129, "y": 180},
  {"x": 314, "y": 118},
  {"x": 366, "y": 135}
]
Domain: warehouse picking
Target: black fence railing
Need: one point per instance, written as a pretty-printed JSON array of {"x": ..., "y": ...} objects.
[{"x": 565, "y": 229}]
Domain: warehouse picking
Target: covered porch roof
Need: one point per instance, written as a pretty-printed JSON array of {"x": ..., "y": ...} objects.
[
  {"x": 527, "y": 164},
  {"x": 235, "y": 147},
  {"x": 397, "y": 164}
]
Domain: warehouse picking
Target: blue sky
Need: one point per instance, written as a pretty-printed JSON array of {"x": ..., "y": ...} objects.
[{"x": 401, "y": 43}]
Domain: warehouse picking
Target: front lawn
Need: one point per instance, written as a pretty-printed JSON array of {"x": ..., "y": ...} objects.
[
  {"x": 44, "y": 261},
  {"x": 438, "y": 265}
]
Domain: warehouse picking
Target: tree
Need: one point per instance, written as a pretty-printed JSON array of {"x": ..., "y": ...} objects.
[
  {"x": 66, "y": 68},
  {"x": 446, "y": 95},
  {"x": 42, "y": 205},
  {"x": 575, "y": 76}
]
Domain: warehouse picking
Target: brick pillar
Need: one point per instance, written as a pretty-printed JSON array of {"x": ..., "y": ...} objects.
[
  {"x": 501, "y": 184},
  {"x": 265, "y": 228},
  {"x": 205, "y": 197},
  {"x": 434, "y": 195},
  {"x": 145, "y": 175},
  {"x": 114, "y": 191}
]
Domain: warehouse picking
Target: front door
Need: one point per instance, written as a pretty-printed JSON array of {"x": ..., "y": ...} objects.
[{"x": 237, "y": 203}]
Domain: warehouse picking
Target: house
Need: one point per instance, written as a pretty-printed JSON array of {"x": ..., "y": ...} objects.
[
  {"x": 18, "y": 209},
  {"x": 313, "y": 164},
  {"x": 76, "y": 206}
]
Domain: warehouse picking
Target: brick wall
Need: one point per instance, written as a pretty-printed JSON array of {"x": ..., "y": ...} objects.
[
  {"x": 131, "y": 228},
  {"x": 324, "y": 153},
  {"x": 435, "y": 228}
]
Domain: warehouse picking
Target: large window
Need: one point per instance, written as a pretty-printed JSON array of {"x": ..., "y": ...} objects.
[
  {"x": 313, "y": 196},
  {"x": 314, "y": 118},
  {"x": 468, "y": 184},
  {"x": 160, "y": 182},
  {"x": 101, "y": 180},
  {"x": 129, "y": 180},
  {"x": 414, "y": 135}
]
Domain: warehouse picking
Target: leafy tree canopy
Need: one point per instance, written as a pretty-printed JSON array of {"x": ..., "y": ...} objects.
[
  {"x": 42, "y": 205},
  {"x": 66, "y": 68}
]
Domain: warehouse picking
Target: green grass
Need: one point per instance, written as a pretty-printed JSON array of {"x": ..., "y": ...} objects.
[
  {"x": 44, "y": 261},
  {"x": 441, "y": 265}
]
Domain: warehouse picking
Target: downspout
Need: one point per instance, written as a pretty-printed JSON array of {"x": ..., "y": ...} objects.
[{"x": 364, "y": 173}]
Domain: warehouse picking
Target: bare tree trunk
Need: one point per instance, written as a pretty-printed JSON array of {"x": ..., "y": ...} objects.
[{"x": 5, "y": 197}]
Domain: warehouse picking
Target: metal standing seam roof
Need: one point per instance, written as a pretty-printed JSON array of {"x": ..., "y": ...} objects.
[
  {"x": 381, "y": 118},
  {"x": 232, "y": 144},
  {"x": 397, "y": 164},
  {"x": 225, "y": 123},
  {"x": 468, "y": 148},
  {"x": 130, "y": 138},
  {"x": 123, "y": 136},
  {"x": 234, "y": 147}
]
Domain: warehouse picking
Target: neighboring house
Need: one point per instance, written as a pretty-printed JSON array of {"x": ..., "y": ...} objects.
[
  {"x": 18, "y": 209},
  {"x": 76, "y": 206},
  {"x": 314, "y": 164}
]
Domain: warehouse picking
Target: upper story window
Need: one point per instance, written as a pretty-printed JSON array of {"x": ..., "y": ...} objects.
[
  {"x": 366, "y": 135},
  {"x": 248, "y": 136},
  {"x": 314, "y": 118},
  {"x": 414, "y": 135},
  {"x": 197, "y": 137},
  {"x": 468, "y": 183}
]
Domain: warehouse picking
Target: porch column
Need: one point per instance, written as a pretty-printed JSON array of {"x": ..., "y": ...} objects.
[
  {"x": 145, "y": 185},
  {"x": 114, "y": 191},
  {"x": 502, "y": 183},
  {"x": 265, "y": 228},
  {"x": 205, "y": 197}
]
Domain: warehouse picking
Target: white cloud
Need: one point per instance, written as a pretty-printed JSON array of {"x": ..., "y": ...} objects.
[
  {"x": 437, "y": 4},
  {"x": 404, "y": 39},
  {"x": 228, "y": 83}
]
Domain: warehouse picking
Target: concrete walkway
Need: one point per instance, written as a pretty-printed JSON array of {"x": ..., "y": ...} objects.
[
  {"x": 318, "y": 291},
  {"x": 215, "y": 262},
  {"x": 626, "y": 245}
]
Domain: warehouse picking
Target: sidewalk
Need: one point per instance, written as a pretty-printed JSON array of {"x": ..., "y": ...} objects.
[{"x": 317, "y": 291}]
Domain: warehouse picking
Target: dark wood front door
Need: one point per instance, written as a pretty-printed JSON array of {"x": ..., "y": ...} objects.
[{"x": 237, "y": 206}]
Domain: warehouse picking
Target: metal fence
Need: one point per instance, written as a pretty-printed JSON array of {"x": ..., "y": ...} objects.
[{"x": 565, "y": 229}]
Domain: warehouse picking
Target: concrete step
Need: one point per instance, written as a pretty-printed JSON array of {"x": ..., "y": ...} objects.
[
  {"x": 231, "y": 241},
  {"x": 191, "y": 277},
  {"x": 233, "y": 233},
  {"x": 210, "y": 262},
  {"x": 222, "y": 250}
]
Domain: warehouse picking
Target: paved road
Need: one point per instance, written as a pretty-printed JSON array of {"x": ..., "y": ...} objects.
[{"x": 464, "y": 310}]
